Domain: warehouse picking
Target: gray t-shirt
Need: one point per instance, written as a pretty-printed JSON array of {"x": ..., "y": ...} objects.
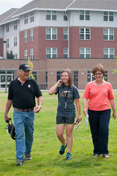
[{"x": 66, "y": 97}]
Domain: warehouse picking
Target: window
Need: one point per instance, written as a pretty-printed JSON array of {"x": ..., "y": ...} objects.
[
  {"x": 26, "y": 18},
  {"x": 106, "y": 76},
  {"x": 15, "y": 25},
  {"x": 51, "y": 15},
  {"x": 108, "y": 34},
  {"x": 31, "y": 35},
  {"x": 25, "y": 54},
  {"x": 51, "y": 33},
  {"x": 90, "y": 76},
  {"x": 84, "y": 15},
  {"x": 58, "y": 75},
  {"x": 25, "y": 37},
  {"x": 7, "y": 43},
  {"x": 51, "y": 53},
  {"x": 65, "y": 34},
  {"x": 32, "y": 16},
  {"x": 65, "y": 52},
  {"x": 108, "y": 16},
  {"x": 15, "y": 41},
  {"x": 31, "y": 54},
  {"x": 7, "y": 27},
  {"x": 85, "y": 53},
  {"x": 75, "y": 75},
  {"x": 108, "y": 52},
  {"x": 65, "y": 18},
  {"x": 84, "y": 33},
  {"x": 35, "y": 75}
]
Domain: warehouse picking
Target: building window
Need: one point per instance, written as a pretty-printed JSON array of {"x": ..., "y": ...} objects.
[
  {"x": 108, "y": 16},
  {"x": 65, "y": 18},
  {"x": 25, "y": 18},
  {"x": 15, "y": 25},
  {"x": 75, "y": 76},
  {"x": 25, "y": 54},
  {"x": 90, "y": 76},
  {"x": 51, "y": 33},
  {"x": 15, "y": 41},
  {"x": 65, "y": 34},
  {"x": 15, "y": 56},
  {"x": 51, "y": 53},
  {"x": 84, "y": 15},
  {"x": 51, "y": 15},
  {"x": 65, "y": 52},
  {"x": 85, "y": 53},
  {"x": 7, "y": 43},
  {"x": 35, "y": 75},
  {"x": 25, "y": 36},
  {"x": 7, "y": 27},
  {"x": 108, "y": 34},
  {"x": 106, "y": 76},
  {"x": 58, "y": 75},
  {"x": 32, "y": 16},
  {"x": 31, "y": 35},
  {"x": 108, "y": 52},
  {"x": 31, "y": 54},
  {"x": 84, "y": 33}
]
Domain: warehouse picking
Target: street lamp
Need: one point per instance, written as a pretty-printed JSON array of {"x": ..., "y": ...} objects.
[{"x": 5, "y": 68}]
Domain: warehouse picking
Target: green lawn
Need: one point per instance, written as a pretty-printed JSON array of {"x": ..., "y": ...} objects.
[{"x": 46, "y": 160}]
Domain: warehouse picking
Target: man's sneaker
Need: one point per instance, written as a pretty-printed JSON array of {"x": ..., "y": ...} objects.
[
  {"x": 28, "y": 156},
  {"x": 62, "y": 149},
  {"x": 19, "y": 162},
  {"x": 68, "y": 156}
]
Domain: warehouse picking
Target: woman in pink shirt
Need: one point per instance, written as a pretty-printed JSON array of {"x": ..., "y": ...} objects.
[{"x": 100, "y": 96}]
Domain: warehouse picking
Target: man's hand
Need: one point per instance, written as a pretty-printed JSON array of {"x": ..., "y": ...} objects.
[{"x": 37, "y": 108}]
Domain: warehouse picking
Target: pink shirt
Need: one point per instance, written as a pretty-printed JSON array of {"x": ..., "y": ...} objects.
[{"x": 98, "y": 96}]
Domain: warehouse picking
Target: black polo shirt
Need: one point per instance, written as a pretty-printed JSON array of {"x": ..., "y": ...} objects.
[{"x": 23, "y": 95}]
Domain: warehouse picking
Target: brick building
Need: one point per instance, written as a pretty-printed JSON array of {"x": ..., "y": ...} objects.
[{"x": 60, "y": 34}]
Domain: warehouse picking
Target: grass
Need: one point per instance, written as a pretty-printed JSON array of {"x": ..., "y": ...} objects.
[{"x": 46, "y": 159}]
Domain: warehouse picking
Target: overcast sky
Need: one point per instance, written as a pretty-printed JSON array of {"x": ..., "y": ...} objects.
[{"x": 8, "y": 4}]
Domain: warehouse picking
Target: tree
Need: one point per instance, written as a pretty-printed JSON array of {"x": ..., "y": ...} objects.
[
  {"x": 10, "y": 55},
  {"x": 31, "y": 68}
]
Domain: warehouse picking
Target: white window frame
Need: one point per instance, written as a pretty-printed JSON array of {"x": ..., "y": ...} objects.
[
  {"x": 31, "y": 35},
  {"x": 85, "y": 15},
  {"x": 52, "y": 34},
  {"x": 15, "y": 41},
  {"x": 15, "y": 25},
  {"x": 108, "y": 52},
  {"x": 25, "y": 36},
  {"x": 32, "y": 16},
  {"x": 51, "y": 15},
  {"x": 65, "y": 33},
  {"x": 85, "y": 53},
  {"x": 7, "y": 27},
  {"x": 108, "y": 16},
  {"x": 32, "y": 54},
  {"x": 65, "y": 52},
  {"x": 25, "y": 54},
  {"x": 7, "y": 43},
  {"x": 51, "y": 53},
  {"x": 108, "y": 33},
  {"x": 85, "y": 33},
  {"x": 26, "y": 18}
]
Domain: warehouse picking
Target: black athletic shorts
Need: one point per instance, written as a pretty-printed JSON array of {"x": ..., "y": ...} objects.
[{"x": 65, "y": 120}]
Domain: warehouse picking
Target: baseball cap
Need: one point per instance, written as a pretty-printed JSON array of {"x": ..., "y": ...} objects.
[{"x": 24, "y": 67}]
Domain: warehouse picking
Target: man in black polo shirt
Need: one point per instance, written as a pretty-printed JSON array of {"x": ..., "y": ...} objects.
[{"x": 22, "y": 93}]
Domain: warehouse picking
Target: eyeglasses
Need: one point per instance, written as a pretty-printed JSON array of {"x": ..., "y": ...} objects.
[{"x": 98, "y": 74}]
